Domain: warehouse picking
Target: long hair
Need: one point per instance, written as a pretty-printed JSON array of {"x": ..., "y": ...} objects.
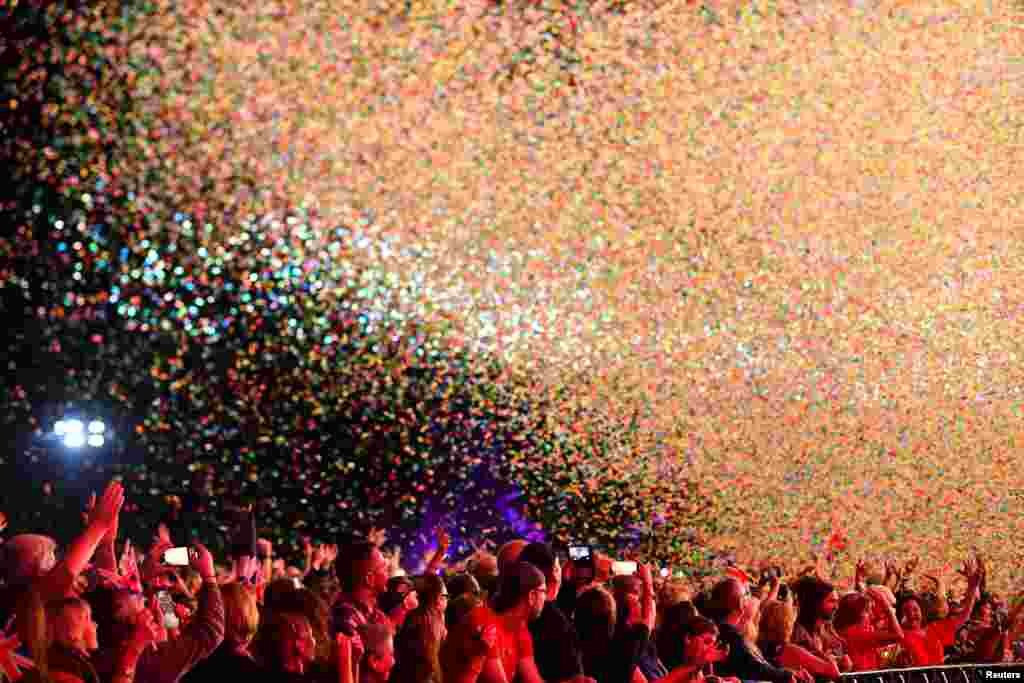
[
  {"x": 275, "y": 631},
  {"x": 850, "y": 611},
  {"x": 777, "y": 620},
  {"x": 241, "y": 614},
  {"x": 595, "y": 618},
  {"x": 307, "y": 603},
  {"x": 32, "y": 629},
  {"x": 810, "y": 593},
  {"x": 418, "y": 646},
  {"x": 670, "y": 634}
]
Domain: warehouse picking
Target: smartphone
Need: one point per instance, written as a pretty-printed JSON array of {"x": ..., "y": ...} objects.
[
  {"x": 165, "y": 601},
  {"x": 178, "y": 557},
  {"x": 624, "y": 568},
  {"x": 579, "y": 553}
]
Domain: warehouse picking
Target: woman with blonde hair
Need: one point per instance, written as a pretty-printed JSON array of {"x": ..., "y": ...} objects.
[
  {"x": 775, "y": 633},
  {"x": 241, "y": 622}
]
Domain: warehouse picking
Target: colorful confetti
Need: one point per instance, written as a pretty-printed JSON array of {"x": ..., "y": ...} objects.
[{"x": 674, "y": 275}]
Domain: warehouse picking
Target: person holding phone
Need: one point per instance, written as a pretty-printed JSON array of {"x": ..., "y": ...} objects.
[
  {"x": 169, "y": 660},
  {"x": 579, "y": 575}
]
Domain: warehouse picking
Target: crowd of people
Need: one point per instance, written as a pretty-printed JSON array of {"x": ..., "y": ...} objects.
[{"x": 524, "y": 612}]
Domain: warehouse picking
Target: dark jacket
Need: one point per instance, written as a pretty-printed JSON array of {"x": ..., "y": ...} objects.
[
  {"x": 744, "y": 663},
  {"x": 172, "y": 659},
  {"x": 222, "y": 666},
  {"x": 556, "y": 647}
]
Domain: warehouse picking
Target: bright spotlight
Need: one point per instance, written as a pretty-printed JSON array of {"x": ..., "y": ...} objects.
[
  {"x": 74, "y": 426},
  {"x": 95, "y": 440},
  {"x": 74, "y": 439},
  {"x": 97, "y": 427},
  {"x": 61, "y": 428}
]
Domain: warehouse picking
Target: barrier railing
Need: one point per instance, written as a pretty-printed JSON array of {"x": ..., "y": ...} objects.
[{"x": 955, "y": 673}]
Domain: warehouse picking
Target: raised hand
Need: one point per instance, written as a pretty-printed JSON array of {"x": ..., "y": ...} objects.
[
  {"x": 154, "y": 562},
  {"x": 109, "y": 506},
  {"x": 443, "y": 540},
  {"x": 246, "y": 568},
  {"x": 319, "y": 556},
  {"x": 910, "y": 566},
  {"x": 89, "y": 508},
  {"x": 643, "y": 571},
  {"x": 202, "y": 562},
  {"x": 968, "y": 570}
]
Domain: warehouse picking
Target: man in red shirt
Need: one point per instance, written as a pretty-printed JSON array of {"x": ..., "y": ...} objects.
[
  {"x": 925, "y": 645},
  {"x": 494, "y": 644}
]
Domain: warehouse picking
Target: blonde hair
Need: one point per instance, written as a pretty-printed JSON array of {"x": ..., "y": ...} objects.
[
  {"x": 673, "y": 592},
  {"x": 23, "y": 556},
  {"x": 241, "y": 613},
  {"x": 777, "y": 621},
  {"x": 752, "y": 613}
]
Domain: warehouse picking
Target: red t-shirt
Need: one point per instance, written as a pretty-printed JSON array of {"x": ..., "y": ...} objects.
[
  {"x": 864, "y": 648},
  {"x": 926, "y": 647},
  {"x": 513, "y": 641}
]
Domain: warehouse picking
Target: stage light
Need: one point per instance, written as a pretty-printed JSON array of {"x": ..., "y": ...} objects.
[{"x": 74, "y": 433}]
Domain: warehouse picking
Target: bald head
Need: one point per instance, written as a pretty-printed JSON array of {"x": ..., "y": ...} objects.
[{"x": 508, "y": 555}]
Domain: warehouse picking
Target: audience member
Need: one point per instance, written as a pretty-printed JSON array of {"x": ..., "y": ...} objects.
[
  {"x": 418, "y": 644},
  {"x": 727, "y": 600},
  {"x": 775, "y": 642}
]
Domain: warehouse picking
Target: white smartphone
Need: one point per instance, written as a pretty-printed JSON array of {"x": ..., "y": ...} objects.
[
  {"x": 623, "y": 568},
  {"x": 177, "y": 557}
]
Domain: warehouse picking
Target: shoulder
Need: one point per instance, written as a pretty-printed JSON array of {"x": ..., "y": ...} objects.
[
  {"x": 857, "y": 632},
  {"x": 481, "y": 614}
]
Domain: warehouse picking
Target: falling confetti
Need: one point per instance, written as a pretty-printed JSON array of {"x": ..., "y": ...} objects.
[{"x": 743, "y": 268}]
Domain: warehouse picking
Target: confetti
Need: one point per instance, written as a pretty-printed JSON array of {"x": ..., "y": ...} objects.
[{"x": 667, "y": 275}]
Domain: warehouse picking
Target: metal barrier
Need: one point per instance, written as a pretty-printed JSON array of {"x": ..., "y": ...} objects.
[{"x": 957, "y": 673}]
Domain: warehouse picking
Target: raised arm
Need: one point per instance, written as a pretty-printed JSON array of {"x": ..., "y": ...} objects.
[
  {"x": 106, "y": 553},
  {"x": 62, "y": 577},
  {"x": 650, "y": 610},
  {"x": 437, "y": 560},
  {"x": 893, "y": 632},
  {"x": 200, "y": 637}
]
